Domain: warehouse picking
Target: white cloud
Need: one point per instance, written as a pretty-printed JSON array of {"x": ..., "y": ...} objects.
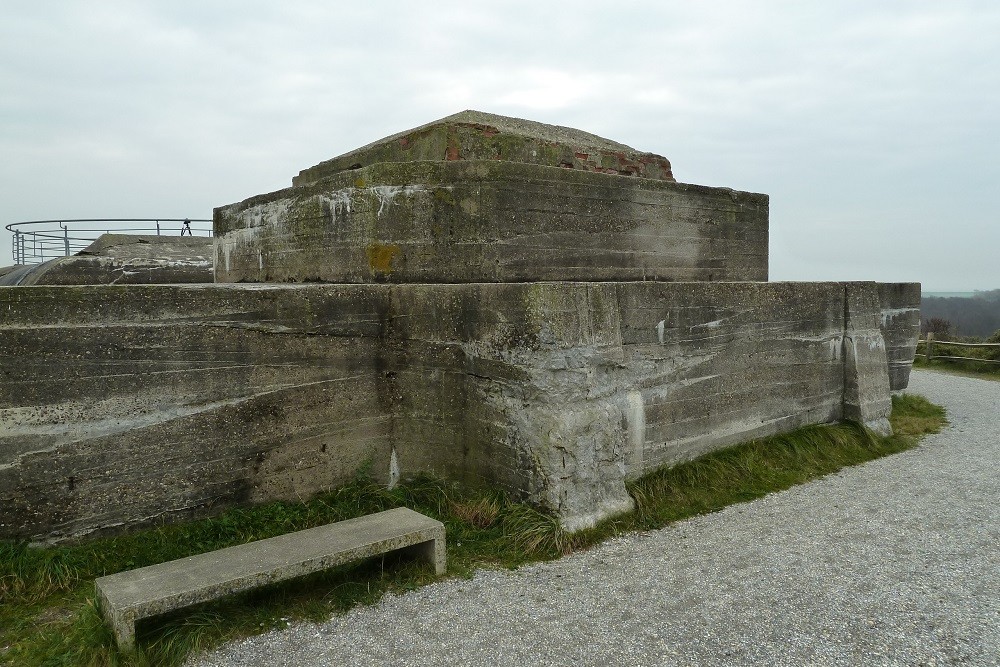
[{"x": 859, "y": 118}]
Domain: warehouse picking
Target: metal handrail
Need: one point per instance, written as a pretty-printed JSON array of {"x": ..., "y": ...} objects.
[{"x": 34, "y": 246}]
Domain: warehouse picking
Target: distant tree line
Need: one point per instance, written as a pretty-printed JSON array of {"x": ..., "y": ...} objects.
[{"x": 978, "y": 315}]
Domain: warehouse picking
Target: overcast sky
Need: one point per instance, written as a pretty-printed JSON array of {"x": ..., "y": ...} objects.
[{"x": 873, "y": 126}]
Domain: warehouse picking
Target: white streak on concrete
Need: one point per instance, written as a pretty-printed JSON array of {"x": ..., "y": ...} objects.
[
  {"x": 635, "y": 418},
  {"x": 393, "y": 470},
  {"x": 386, "y": 193},
  {"x": 32, "y": 422},
  {"x": 812, "y": 339},
  {"x": 659, "y": 330},
  {"x": 663, "y": 393},
  {"x": 339, "y": 203},
  {"x": 260, "y": 215},
  {"x": 124, "y": 272},
  {"x": 245, "y": 238},
  {"x": 891, "y": 313}
]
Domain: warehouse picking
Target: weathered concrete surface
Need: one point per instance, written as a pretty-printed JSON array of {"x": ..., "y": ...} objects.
[
  {"x": 128, "y": 597},
  {"x": 129, "y": 404},
  {"x": 128, "y": 247},
  {"x": 121, "y": 405},
  {"x": 488, "y": 221},
  {"x": 866, "y": 369},
  {"x": 475, "y": 135},
  {"x": 125, "y": 259},
  {"x": 7, "y": 269},
  {"x": 13, "y": 275},
  {"x": 900, "y": 328}
]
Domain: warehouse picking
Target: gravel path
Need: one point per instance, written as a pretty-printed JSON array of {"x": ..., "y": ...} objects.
[{"x": 896, "y": 562}]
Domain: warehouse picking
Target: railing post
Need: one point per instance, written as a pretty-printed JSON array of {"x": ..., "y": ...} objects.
[
  {"x": 65, "y": 237},
  {"x": 929, "y": 352},
  {"x": 157, "y": 227},
  {"x": 17, "y": 247}
]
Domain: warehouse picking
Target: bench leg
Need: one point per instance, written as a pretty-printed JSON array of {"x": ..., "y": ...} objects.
[
  {"x": 433, "y": 551},
  {"x": 123, "y": 627},
  {"x": 122, "y": 622}
]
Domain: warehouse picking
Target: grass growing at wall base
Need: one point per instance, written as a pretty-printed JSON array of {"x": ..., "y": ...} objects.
[{"x": 48, "y": 615}]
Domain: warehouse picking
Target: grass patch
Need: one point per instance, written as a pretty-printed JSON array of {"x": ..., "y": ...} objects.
[
  {"x": 914, "y": 416},
  {"x": 48, "y": 614}
]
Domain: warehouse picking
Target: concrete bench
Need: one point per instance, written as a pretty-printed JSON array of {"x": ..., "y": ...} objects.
[{"x": 127, "y": 597}]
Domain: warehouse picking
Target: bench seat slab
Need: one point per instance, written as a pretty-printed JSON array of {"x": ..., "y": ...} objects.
[{"x": 127, "y": 597}]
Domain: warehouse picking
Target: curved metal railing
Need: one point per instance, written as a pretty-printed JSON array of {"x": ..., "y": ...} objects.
[{"x": 38, "y": 241}]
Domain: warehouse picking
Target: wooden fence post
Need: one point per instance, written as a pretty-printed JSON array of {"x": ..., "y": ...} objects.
[{"x": 930, "y": 345}]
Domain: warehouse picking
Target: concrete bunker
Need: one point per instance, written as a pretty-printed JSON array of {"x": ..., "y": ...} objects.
[
  {"x": 123, "y": 259},
  {"x": 485, "y": 298}
]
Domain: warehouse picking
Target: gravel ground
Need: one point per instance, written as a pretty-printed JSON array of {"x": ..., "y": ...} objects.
[{"x": 896, "y": 562}]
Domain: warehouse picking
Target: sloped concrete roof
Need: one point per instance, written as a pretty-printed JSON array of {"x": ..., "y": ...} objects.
[{"x": 476, "y": 135}]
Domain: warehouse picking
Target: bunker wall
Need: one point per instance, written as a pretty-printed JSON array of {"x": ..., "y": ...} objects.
[
  {"x": 900, "y": 322},
  {"x": 487, "y": 221},
  {"x": 123, "y": 405}
]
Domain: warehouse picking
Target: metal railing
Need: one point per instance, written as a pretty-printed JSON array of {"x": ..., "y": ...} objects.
[{"x": 38, "y": 241}]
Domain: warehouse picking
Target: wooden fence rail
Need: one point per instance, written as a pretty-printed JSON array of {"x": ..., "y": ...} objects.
[{"x": 929, "y": 343}]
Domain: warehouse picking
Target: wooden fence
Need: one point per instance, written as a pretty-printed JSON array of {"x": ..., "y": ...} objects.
[{"x": 930, "y": 342}]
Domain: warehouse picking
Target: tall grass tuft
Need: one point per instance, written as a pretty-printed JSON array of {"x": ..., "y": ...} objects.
[{"x": 535, "y": 532}]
